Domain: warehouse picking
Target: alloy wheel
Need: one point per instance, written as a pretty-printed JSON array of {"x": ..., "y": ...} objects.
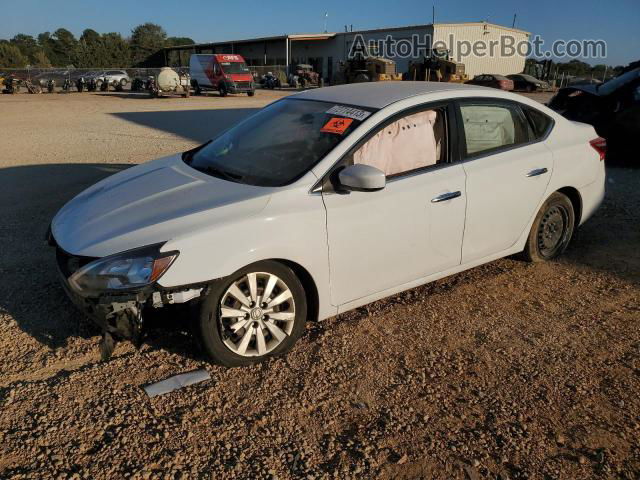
[{"x": 257, "y": 313}]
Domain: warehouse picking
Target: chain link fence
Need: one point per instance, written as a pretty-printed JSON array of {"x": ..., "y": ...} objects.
[{"x": 60, "y": 76}]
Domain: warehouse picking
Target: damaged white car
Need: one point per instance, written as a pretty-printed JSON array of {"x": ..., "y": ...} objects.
[{"x": 324, "y": 201}]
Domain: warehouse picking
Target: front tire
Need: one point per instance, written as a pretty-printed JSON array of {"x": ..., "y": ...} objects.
[
  {"x": 551, "y": 230},
  {"x": 223, "y": 90},
  {"x": 255, "y": 313}
]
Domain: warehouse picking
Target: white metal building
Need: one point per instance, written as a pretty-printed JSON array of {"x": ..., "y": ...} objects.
[{"x": 326, "y": 50}]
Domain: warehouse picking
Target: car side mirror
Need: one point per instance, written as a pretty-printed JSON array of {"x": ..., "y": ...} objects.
[{"x": 362, "y": 178}]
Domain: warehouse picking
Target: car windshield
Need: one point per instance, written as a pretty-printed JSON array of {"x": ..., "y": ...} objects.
[
  {"x": 234, "y": 67},
  {"x": 278, "y": 144},
  {"x": 615, "y": 83}
]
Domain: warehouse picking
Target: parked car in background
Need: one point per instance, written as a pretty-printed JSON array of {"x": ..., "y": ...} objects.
[
  {"x": 322, "y": 202},
  {"x": 115, "y": 77},
  {"x": 527, "y": 83},
  {"x": 493, "y": 81},
  {"x": 612, "y": 107}
]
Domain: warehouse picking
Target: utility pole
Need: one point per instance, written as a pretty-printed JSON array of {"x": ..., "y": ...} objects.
[
  {"x": 326, "y": 14},
  {"x": 433, "y": 15},
  {"x": 513, "y": 25}
]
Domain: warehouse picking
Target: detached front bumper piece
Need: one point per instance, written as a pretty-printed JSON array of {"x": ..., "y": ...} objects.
[{"x": 118, "y": 314}]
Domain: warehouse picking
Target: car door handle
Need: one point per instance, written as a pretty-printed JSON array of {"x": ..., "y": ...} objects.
[
  {"x": 537, "y": 171},
  {"x": 446, "y": 196}
]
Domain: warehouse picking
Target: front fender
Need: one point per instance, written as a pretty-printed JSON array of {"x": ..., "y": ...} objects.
[{"x": 292, "y": 227}]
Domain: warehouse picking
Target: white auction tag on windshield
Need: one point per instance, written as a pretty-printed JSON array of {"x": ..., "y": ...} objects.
[{"x": 349, "y": 112}]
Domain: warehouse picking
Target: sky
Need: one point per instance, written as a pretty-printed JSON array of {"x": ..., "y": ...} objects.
[{"x": 615, "y": 21}]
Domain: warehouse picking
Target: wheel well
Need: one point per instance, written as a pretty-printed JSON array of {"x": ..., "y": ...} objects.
[
  {"x": 313, "y": 301},
  {"x": 576, "y": 202}
]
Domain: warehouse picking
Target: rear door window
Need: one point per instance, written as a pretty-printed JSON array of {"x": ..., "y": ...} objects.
[{"x": 492, "y": 127}]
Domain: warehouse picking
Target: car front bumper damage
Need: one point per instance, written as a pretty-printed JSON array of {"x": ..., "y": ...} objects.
[{"x": 120, "y": 315}]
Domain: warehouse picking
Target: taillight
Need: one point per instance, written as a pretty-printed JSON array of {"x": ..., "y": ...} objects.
[{"x": 599, "y": 145}]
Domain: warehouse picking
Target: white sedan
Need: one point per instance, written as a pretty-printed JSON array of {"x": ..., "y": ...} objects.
[{"x": 324, "y": 201}]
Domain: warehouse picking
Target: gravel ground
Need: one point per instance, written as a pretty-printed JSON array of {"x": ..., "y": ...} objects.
[{"x": 509, "y": 370}]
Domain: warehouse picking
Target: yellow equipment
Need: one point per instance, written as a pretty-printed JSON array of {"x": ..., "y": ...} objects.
[
  {"x": 370, "y": 69},
  {"x": 437, "y": 68}
]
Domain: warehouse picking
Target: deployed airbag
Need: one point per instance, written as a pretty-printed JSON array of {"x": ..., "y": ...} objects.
[
  {"x": 404, "y": 145},
  {"x": 487, "y": 127}
]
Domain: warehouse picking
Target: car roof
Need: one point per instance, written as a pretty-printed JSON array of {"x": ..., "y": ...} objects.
[{"x": 381, "y": 94}]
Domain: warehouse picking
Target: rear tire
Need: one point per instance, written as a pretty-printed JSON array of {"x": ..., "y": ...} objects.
[
  {"x": 552, "y": 229},
  {"x": 251, "y": 93},
  {"x": 235, "y": 340}
]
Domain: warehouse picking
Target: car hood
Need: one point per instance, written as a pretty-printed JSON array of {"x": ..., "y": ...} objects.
[{"x": 148, "y": 204}]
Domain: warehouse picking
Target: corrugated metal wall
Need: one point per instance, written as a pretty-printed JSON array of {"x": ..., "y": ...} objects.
[{"x": 482, "y": 32}]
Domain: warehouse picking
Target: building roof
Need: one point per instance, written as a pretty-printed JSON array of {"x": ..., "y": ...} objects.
[
  {"x": 381, "y": 94},
  {"x": 326, "y": 36}
]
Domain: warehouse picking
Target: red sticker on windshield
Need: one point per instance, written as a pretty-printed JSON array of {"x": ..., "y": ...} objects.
[{"x": 337, "y": 125}]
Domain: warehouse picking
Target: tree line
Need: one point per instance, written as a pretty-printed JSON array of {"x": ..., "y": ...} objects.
[
  {"x": 578, "y": 68},
  {"x": 92, "y": 50}
]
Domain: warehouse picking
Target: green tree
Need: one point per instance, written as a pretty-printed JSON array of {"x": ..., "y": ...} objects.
[
  {"x": 175, "y": 41},
  {"x": 102, "y": 51},
  {"x": 45, "y": 42},
  {"x": 40, "y": 60},
  {"x": 89, "y": 53},
  {"x": 64, "y": 47},
  {"x": 27, "y": 44},
  {"x": 115, "y": 50},
  {"x": 11, "y": 56},
  {"x": 146, "y": 40}
]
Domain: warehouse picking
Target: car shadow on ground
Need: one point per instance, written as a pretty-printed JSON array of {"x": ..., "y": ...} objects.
[
  {"x": 31, "y": 292},
  {"x": 198, "y": 125}
]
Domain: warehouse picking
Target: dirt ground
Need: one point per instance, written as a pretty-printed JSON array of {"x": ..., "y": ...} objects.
[{"x": 509, "y": 370}]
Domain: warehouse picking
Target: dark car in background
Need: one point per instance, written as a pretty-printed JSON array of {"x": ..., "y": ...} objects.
[
  {"x": 527, "y": 83},
  {"x": 492, "y": 80},
  {"x": 612, "y": 107}
]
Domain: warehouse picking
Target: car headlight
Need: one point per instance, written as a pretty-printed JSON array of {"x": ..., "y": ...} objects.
[{"x": 123, "y": 271}]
